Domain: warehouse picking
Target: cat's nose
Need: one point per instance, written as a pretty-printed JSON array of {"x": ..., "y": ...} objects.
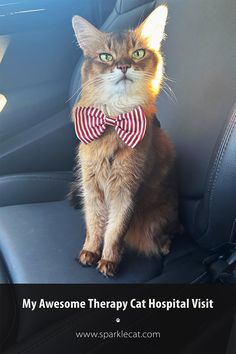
[{"x": 123, "y": 67}]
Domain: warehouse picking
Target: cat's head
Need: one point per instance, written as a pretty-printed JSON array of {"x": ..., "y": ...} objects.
[{"x": 127, "y": 65}]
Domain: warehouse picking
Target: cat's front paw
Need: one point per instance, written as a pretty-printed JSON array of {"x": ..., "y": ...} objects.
[
  {"x": 87, "y": 258},
  {"x": 107, "y": 268}
]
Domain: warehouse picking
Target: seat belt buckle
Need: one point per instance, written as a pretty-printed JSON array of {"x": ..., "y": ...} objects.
[{"x": 221, "y": 263}]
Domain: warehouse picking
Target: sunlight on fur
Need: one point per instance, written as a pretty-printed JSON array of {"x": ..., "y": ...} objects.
[
  {"x": 153, "y": 27},
  {"x": 158, "y": 77},
  {"x": 153, "y": 31}
]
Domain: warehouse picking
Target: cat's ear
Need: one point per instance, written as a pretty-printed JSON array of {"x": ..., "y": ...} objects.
[
  {"x": 88, "y": 36},
  {"x": 153, "y": 28}
]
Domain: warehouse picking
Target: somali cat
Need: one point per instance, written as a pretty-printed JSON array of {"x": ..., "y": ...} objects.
[{"x": 129, "y": 194}]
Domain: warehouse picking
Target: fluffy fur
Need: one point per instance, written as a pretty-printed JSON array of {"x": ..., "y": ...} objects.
[{"x": 129, "y": 195}]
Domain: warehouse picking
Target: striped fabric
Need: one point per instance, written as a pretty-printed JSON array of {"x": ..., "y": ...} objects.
[{"x": 91, "y": 122}]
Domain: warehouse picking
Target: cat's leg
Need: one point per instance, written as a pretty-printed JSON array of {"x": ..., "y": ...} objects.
[
  {"x": 122, "y": 187},
  {"x": 120, "y": 213},
  {"x": 95, "y": 218}
]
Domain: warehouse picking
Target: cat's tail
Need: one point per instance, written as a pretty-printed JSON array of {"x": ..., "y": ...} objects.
[{"x": 74, "y": 195}]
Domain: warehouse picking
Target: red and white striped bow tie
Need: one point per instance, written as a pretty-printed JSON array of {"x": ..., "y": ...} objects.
[{"x": 91, "y": 122}]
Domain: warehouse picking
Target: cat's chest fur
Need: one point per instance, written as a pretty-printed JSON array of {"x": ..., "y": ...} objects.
[{"x": 100, "y": 156}]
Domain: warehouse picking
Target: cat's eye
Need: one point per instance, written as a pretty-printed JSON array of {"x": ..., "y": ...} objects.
[
  {"x": 105, "y": 57},
  {"x": 138, "y": 54}
]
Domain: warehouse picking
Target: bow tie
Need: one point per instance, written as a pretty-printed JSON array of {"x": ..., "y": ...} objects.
[{"x": 90, "y": 123}]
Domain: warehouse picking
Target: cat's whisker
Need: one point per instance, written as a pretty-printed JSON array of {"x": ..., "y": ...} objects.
[
  {"x": 142, "y": 73},
  {"x": 171, "y": 91},
  {"x": 90, "y": 83},
  {"x": 167, "y": 89},
  {"x": 70, "y": 98},
  {"x": 142, "y": 77},
  {"x": 111, "y": 76},
  {"x": 168, "y": 79},
  {"x": 170, "y": 94},
  {"x": 85, "y": 85}
]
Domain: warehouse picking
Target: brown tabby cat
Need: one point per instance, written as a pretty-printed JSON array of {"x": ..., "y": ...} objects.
[{"x": 129, "y": 194}]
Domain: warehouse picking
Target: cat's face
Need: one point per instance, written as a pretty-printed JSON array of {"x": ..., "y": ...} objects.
[{"x": 122, "y": 65}]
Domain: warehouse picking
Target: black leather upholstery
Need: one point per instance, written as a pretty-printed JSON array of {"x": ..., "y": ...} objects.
[
  {"x": 197, "y": 123},
  {"x": 43, "y": 228},
  {"x": 44, "y": 250},
  {"x": 200, "y": 59},
  {"x": 216, "y": 213},
  {"x": 41, "y": 234},
  {"x": 34, "y": 187}
]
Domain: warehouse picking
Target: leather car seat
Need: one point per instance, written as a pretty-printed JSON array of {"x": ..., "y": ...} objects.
[
  {"x": 39, "y": 240},
  {"x": 36, "y": 238}
]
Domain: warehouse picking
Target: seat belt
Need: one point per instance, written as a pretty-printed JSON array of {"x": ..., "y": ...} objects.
[{"x": 221, "y": 264}]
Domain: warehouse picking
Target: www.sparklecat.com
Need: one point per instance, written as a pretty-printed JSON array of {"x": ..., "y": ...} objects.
[{"x": 118, "y": 334}]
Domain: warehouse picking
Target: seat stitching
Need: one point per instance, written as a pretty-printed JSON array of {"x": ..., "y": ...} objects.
[
  {"x": 137, "y": 7},
  {"x": 217, "y": 166},
  {"x": 233, "y": 230},
  {"x": 223, "y": 142},
  {"x": 36, "y": 178}
]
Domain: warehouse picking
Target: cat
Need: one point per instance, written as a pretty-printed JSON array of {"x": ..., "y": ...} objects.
[{"x": 129, "y": 193}]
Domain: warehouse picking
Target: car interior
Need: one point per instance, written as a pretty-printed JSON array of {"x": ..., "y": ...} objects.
[{"x": 40, "y": 61}]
